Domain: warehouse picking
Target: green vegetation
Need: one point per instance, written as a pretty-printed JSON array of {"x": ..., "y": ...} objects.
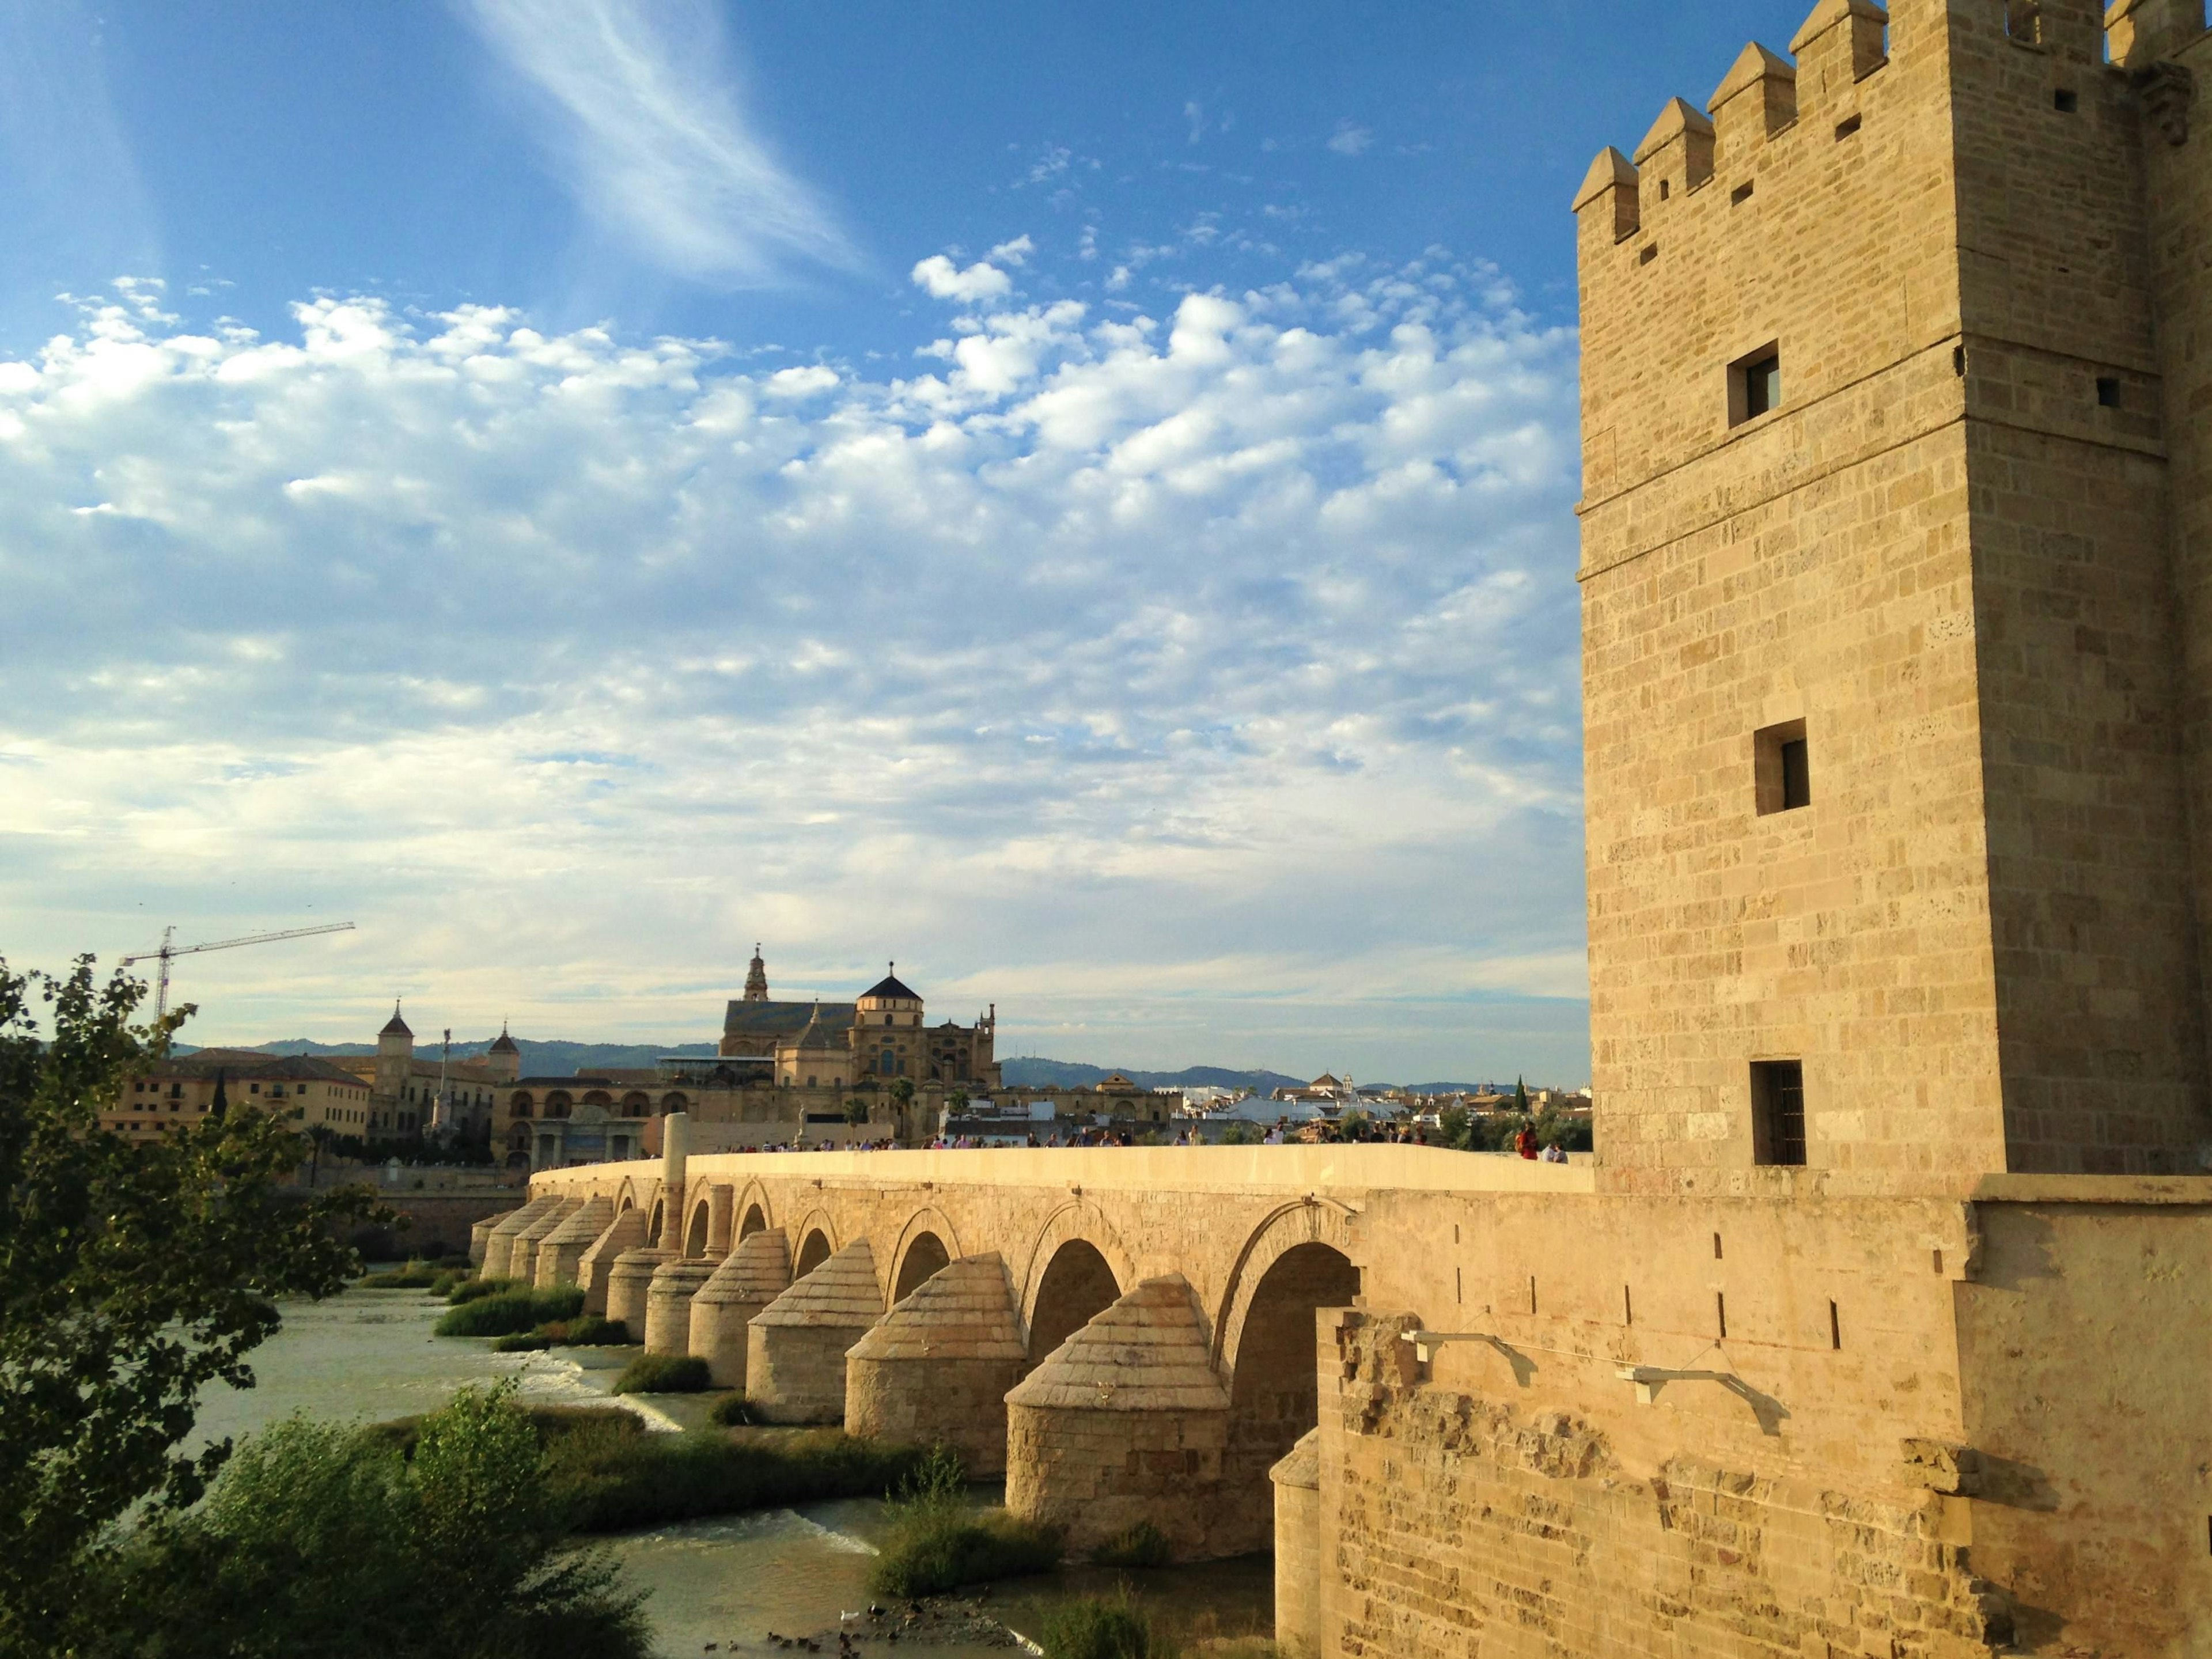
[
  {"x": 1143, "y": 1544},
  {"x": 348, "y": 1544},
  {"x": 1239, "y": 1134},
  {"x": 137, "y": 1273},
  {"x": 416, "y": 1275},
  {"x": 930, "y": 1552},
  {"x": 616, "y": 1482},
  {"x": 938, "y": 1543},
  {"x": 664, "y": 1373},
  {"x": 473, "y": 1290},
  {"x": 512, "y": 1311},
  {"x": 1102, "y": 1627},
  {"x": 585, "y": 1331},
  {"x": 550, "y": 1423},
  {"x": 733, "y": 1411}
]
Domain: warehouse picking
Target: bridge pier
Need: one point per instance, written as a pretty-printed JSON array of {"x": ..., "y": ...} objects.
[
  {"x": 937, "y": 1367},
  {"x": 499, "y": 1242},
  {"x": 668, "y": 1303},
  {"x": 1125, "y": 1423},
  {"x": 561, "y": 1250},
  {"x": 522, "y": 1254},
  {"x": 795, "y": 1347},
  {"x": 595, "y": 1267},
  {"x": 1297, "y": 1549},
  {"x": 749, "y": 1279}
]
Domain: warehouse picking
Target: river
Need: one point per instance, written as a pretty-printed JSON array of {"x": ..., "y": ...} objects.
[{"x": 369, "y": 1355}]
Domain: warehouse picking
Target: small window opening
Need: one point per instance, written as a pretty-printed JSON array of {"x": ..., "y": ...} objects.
[
  {"x": 1647, "y": 255},
  {"x": 2024, "y": 21},
  {"x": 1720, "y": 1313},
  {"x": 1754, "y": 386},
  {"x": 1835, "y": 1327},
  {"x": 1958, "y": 361},
  {"x": 2108, "y": 391},
  {"x": 1848, "y": 126},
  {"x": 1782, "y": 768},
  {"x": 1665, "y": 188},
  {"x": 1716, "y": 1246},
  {"x": 1532, "y": 1293},
  {"x": 1627, "y": 1307},
  {"x": 1741, "y": 194},
  {"x": 2065, "y": 102},
  {"x": 1777, "y": 1112}
]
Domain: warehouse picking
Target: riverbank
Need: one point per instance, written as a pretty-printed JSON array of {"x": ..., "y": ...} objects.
[{"x": 369, "y": 1356}]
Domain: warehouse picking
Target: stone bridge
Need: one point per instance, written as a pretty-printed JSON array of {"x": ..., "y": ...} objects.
[
  {"x": 1507, "y": 1406},
  {"x": 1151, "y": 1311}
]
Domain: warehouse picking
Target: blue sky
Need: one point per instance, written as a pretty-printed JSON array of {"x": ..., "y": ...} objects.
[{"x": 1078, "y": 499}]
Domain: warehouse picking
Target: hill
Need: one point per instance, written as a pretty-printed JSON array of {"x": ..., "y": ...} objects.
[{"x": 1074, "y": 1074}]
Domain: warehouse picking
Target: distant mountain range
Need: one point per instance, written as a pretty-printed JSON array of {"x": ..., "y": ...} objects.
[{"x": 566, "y": 1059}]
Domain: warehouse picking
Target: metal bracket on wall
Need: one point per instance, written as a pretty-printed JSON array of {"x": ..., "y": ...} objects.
[
  {"x": 1649, "y": 1379},
  {"x": 1426, "y": 1343}
]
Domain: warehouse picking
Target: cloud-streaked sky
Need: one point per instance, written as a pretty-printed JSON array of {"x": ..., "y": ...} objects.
[{"x": 1077, "y": 502}]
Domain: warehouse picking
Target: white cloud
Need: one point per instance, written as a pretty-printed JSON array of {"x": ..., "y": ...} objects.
[
  {"x": 1015, "y": 253},
  {"x": 943, "y": 280},
  {"x": 1351, "y": 139},
  {"x": 643, "y": 118},
  {"x": 1197, "y": 687}
]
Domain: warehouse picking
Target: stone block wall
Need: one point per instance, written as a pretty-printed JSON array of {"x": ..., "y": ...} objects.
[
  {"x": 1096, "y": 1474},
  {"x": 960, "y": 1403},
  {"x": 796, "y": 1373},
  {"x": 1948, "y": 554}
]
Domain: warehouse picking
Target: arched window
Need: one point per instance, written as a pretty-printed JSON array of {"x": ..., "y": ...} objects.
[
  {"x": 556, "y": 1104},
  {"x": 520, "y": 1105},
  {"x": 636, "y": 1103}
]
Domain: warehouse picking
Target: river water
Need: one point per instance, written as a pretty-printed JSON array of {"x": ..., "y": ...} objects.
[{"x": 369, "y": 1355}]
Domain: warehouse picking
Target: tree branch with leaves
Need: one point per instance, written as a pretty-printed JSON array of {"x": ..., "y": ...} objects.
[{"x": 133, "y": 1274}]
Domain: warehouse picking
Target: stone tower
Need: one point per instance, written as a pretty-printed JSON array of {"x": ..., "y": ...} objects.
[
  {"x": 1897, "y": 583},
  {"x": 395, "y": 1048},
  {"x": 756, "y": 978}
]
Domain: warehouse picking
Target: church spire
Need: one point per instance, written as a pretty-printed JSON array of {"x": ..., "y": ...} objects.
[{"x": 756, "y": 979}]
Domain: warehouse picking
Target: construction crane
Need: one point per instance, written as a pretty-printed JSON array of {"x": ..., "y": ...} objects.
[{"x": 170, "y": 951}]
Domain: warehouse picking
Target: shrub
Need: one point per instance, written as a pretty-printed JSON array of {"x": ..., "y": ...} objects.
[
  {"x": 590, "y": 1331},
  {"x": 585, "y": 1331},
  {"x": 449, "y": 1280},
  {"x": 550, "y": 1424},
  {"x": 617, "y": 1481},
  {"x": 733, "y": 1411},
  {"x": 939, "y": 1548},
  {"x": 664, "y": 1373},
  {"x": 469, "y": 1290},
  {"x": 1143, "y": 1544},
  {"x": 511, "y": 1311},
  {"x": 1101, "y": 1627},
  {"x": 413, "y": 1276},
  {"x": 330, "y": 1540}
]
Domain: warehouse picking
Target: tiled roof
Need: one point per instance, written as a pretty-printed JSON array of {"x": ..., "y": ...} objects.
[
  {"x": 236, "y": 1064},
  {"x": 890, "y": 987},
  {"x": 782, "y": 1018}
]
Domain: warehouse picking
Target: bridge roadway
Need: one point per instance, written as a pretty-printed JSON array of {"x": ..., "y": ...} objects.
[{"x": 1211, "y": 1369}]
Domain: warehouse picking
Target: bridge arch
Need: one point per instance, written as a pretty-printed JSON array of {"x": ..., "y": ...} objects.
[
  {"x": 755, "y": 1210},
  {"x": 927, "y": 1243},
  {"x": 695, "y": 1231},
  {"x": 1289, "y": 1228},
  {"x": 1077, "y": 1267},
  {"x": 816, "y": 1237},
  {"x": 1296, "y": 1262},
  {"x": 653, "y": 1226}
]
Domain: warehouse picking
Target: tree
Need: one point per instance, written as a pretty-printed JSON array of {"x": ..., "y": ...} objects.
[
  {"x": 132, "y": 1275},
  {"x": 856, "y": 1111},
  {"x": 1454, "y": 1127},
  {"x": 327, "y": 1538},
  {"x": 1520, "y": 1098}
]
